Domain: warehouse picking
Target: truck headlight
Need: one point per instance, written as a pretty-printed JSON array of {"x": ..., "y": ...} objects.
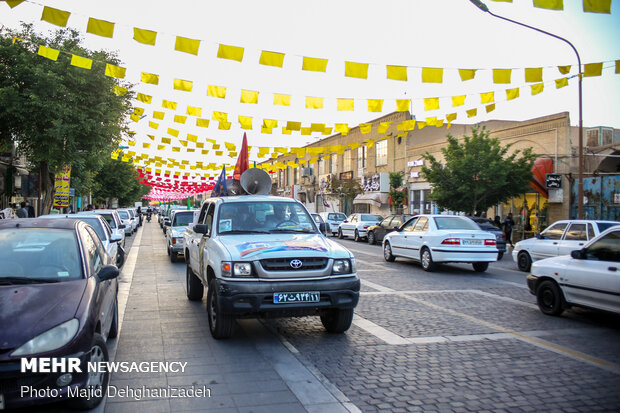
[
  {"x": 341, "y": 267},
  {"x": 242, "y": 269},
  {"x": 50, "y": 340}
]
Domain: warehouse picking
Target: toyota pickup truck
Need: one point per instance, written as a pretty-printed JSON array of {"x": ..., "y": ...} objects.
[{"x": 263, "y": 256}]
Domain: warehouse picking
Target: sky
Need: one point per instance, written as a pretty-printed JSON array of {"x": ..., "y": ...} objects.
[{"x": 449, "y": 34}]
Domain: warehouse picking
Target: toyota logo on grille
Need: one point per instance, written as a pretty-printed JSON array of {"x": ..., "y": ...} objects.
[{"x": 296, "y": 264}]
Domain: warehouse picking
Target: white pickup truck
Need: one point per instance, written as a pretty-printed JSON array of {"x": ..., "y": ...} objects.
[{"x": 261, "y": 255}]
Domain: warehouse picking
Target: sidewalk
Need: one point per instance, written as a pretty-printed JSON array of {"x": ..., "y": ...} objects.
[{"x": 241, "y": 374}]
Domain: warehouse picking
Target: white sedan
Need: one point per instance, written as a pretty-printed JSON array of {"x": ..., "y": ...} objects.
[
  {"x": 589, "y": 277},
  {"x": 431, "y": 239},
  {"x": 356, "y": 225},
  {"x": 560, "y": 238}
]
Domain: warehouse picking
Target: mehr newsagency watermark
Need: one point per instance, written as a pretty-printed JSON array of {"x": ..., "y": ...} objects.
[{"x": 71, "y": 365}]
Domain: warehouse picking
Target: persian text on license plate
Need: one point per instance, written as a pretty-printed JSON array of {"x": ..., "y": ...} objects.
[
  {"x": 307, "y": 297},
  {"x": 472, "y": 242}
]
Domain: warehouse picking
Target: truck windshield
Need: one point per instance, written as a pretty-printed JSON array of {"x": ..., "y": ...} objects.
[{"x": 267, "y": 217}]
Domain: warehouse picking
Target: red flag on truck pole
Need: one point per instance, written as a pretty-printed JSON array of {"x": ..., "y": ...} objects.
[{"x": 243, "y": 161}]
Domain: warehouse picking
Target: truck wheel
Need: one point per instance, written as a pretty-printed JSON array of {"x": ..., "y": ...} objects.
[
  {"x": 195, "y": 289},
  {"x": 173, "y": 256},
  {"x": 337, "y": 320},
  {"x": 221, "y": 325},
  {"x": 480, "y": 266}
]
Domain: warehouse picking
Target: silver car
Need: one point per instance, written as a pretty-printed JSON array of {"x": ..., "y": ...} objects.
[
  {"x": 113, "y": 219},
  {"x": 129, "y": 222},
  {"x": 109, "y": 240},
  {"x": 179, "y": 220}
]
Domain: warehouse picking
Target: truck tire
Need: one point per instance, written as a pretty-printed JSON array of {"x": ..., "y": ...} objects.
[
  {"x": 195, "y": 289},
  {"x": 337, "y": 320},
  {"x": 220, "y": 325}
]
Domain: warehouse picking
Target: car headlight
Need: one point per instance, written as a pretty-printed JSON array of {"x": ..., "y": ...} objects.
[
  {"x": 50, "y": 340},
  {"x": 237, "y": 269},
  {"x": 341, "y": 267}
]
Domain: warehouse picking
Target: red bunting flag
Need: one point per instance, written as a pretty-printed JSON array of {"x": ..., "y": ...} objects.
[{"x": 243, "y": 160}]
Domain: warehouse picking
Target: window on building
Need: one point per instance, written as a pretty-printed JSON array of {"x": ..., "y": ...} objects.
[
  {"x": 361, "y": 157},
  {"x": 381, "y": 148},
  {"x": 321, "y": 163},
  {"x": 334, "y": 164},
  {"x": 347, "y": 161}
]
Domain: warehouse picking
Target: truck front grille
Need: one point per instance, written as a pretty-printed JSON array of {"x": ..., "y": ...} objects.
[{"x": 285, "y": 264}]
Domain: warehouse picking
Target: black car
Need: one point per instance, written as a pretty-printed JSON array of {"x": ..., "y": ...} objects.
[
  {"x": 500, "y": 236},
  {"x": 389, "y": 224},
  {"x": 58, "y": 301}
]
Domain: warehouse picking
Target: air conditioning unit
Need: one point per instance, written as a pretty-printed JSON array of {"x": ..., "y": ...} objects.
[{"x": 306, "y": 172}]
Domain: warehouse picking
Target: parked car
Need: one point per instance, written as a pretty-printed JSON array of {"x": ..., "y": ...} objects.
[
  {"x": 500, "y": 236},
  {"x": 323, "y": 226},
  {"x": 59, "y": 290},
  {"x": 179, "y": 220},
  {"x": 109, "y": 240},
  {"x": 113, "y": 219},
  {"x": 432, "y": 239},
  {"x": 356, "y": 225},
  {"x": 167, "y": 213},
  {"x": 588, "y": 277},
  {"x": 333, "y": 219},
  {"x": 560, "y": 238},
  {"x": 127, "y": 221},
  {"x": 376, "y": 233}
]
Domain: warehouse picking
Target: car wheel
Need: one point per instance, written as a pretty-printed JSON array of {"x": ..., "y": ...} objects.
[
  {"x": 114, "y": 326},
  {"x": 96, "y": 379},
  {"x": 340, "y": 236},
  {"x": 357, "y": 237},
  {"x": 168, "y": 250},
  {"x": 120, "y": 258},
  {"x": 221, "y": 325},
  {"x": 426, "y": 259},
  {"x": 480, "y": 266},
  {"x": 387, "y": 252},
  {"x": 524, "y": 262},
  {"x": 371, "y": 238},
  {"x": 195, "y": 289},
  {"x": 500, "y": 255},
  {"x": 549, "y": 298},
  {"x": 337, "y": 320}
]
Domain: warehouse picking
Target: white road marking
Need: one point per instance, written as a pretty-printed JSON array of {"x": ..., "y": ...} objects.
[
  {"x": 377, "y": 287},
  {"x": 378, "y": 331}
]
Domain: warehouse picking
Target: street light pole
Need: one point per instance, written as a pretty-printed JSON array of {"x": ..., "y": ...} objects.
[{"x": 485, "y": 9}]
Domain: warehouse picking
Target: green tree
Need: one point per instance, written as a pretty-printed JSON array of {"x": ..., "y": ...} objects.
[
  {"x": 346, "y": 189},
  {"x": 477, "y": 173},
  {"x": 117, "y": 179},
  {"x": 56, "y": 113},
  {"x": 396, "y": 181}
]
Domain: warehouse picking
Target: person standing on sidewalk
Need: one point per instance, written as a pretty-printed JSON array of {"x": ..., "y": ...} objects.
[
  {"x": 508, "y": 224},
  {"x": 23, "y": 211}
]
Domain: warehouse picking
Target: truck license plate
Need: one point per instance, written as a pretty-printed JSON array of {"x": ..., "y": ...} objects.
[{"x": 309, "y": 297}]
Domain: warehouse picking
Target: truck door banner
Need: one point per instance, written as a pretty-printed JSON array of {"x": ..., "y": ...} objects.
[{"x": 61, "y": 185}]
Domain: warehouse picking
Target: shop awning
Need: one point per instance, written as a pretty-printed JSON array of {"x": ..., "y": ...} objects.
[{"x": 371, "y": 198}]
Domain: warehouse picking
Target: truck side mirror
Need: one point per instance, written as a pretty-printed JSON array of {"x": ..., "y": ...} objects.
[{"x": 201, "y": 229}]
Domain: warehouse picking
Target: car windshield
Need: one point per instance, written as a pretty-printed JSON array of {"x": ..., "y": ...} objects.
[
  {"x": 455, "y": 223},
  {"x": 336, "y": 216},
  {"x": 38, "y": 255},
  {"x": 602, "y": 226},
  {"x": 123, "y": 214},
  {"x": 370, "y": 218},
  {"x": 264, "y": 217},
  {"x": 181, "y": 220}
]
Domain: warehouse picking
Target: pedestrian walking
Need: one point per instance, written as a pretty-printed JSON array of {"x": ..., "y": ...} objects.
[
  {"x": 30, "y": 209},
  {"x": 23, "y": 211},
  {"x": 497, "y": 222},
  {"x": 508, "y": 224}
]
